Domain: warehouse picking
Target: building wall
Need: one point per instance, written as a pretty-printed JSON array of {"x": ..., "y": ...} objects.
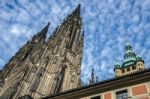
[
  {"x": 139, "y": 66},
  {"x": 139, "y": 91}
]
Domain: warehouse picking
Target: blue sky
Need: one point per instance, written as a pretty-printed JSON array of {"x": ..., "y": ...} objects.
[{"x": 107, "y": 25}]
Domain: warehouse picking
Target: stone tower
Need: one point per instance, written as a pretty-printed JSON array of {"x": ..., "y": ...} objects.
[
  {"x": 42, "y": 68},
  {"x": 132, "y": 62}
]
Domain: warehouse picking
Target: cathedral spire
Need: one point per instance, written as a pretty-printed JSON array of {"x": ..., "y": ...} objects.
[
  {"x": 42, "y": 34},
  {"x": 50, "y": 60},
  {"x": 75, "y": 15},
  {"x": 77, "y": 10}
]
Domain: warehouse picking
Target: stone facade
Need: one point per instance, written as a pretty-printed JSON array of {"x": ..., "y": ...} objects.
[{"x": 41, "y": 67}]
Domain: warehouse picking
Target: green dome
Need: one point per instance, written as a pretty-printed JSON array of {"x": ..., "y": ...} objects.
[
  {"x": 129, "y": 63},
  {"x": 138, "y": 58},
  {"x": 117, "y": 66},
  {"x": 129, "y": 57}
]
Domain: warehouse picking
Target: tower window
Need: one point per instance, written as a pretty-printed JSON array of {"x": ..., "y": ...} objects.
[
  {"x": 128, "y": 69},
  {"x": 96, "y": 97},
  {"x": 123, "y": 71},
  {"x": 134, "y": 67},
  {"x": 122, "y": 94},
  {"x": 129, "y": 56},
  {"x": 140, "y": 68}
]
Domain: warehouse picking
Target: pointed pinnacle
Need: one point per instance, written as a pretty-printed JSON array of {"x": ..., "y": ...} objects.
[
  {"x": 42, "y": 33},
  {"x": 45, "y": 29},
  {"x": 82, "y": 33},
  {"x": 48, "y": 23},
  {"x": 97, "y": 79},
  {"x": 79, "y": 6},
  {"x": 93, "y": 71},
  {"x": 77, "y": 10}
]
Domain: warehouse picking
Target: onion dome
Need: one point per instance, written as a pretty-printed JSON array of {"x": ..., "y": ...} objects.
[
  {"x": 117, "y": 66},
  {"x": 138, "y": 58},
  {"x": 130, "y": 56}
]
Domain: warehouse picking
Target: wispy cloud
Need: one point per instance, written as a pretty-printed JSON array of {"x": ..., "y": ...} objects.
[{"x": 107, "y": 24}]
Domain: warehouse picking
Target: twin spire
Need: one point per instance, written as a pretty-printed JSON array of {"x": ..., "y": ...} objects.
[{"x": 42, "y": 34}]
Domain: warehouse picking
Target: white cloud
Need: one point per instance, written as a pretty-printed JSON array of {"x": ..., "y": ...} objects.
[{"x": 15, "y": 31}]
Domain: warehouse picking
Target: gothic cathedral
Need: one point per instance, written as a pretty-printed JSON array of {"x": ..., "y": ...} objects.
[{"x": 45, "y": 67}]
